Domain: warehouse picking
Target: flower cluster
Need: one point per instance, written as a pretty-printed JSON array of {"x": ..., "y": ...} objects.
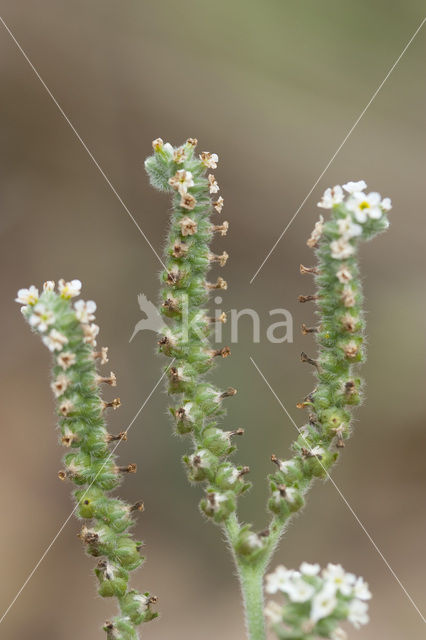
[
  {"x": 340, "y": 338},
  {"x": 316, "y": 601},
  {"x": 68, "y": 331},
  {"x": 359, "y": 210},
  {"x": 186, "y": 290}
]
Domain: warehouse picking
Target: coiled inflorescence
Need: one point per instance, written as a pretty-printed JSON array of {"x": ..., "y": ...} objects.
[
  {"x": 69, "y": 333},
  {"x": 339, "y": 334},
  {"x": 186, "y": 337}
]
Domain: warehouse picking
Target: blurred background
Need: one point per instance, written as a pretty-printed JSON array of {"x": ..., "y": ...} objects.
[{"x": 272, "y": 87}]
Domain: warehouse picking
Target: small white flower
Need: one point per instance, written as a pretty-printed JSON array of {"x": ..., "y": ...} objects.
[
  {"x": 278, "y": 580},
  {"x": 65, "y": 408},
  {"x": 351, "y": 187},
  {"x": 143, "y": 600},
  {"x": 179, "y": 155},
  {"x": 209, "y": 160},
  {"x": 27, "y": 296},
  {"x": 339, "y": 634},
  {"x": 157, "y": 144},
  {"x": 90, "y": 332},
  {"x": 341, "y": 249},
  {"x": 69, "y": 289},
  {"x": 218, "y": 205},
  {"x": 188, "y": 226},
  {"x": 316, "y": 233},
  {"x": 291, "y": 494},
  {"x": 358, "y": 613},
  {"x": 361, "y": 589},
  {"x": 187, "y": 407},
  {"x": 213, "y": 186},
  {"x": 331, "y": 196},
  {"x": 365, "y": 206},
  {"x": 41, "y": 317},
  {"x": 85, "y": 311},
  {"x": 60, "y": 385},
  {"x": 254, "y": 541},
  {"x": 343, "y": 274},
  {"x": 49, "y": 285},
  {"x": 66, "y": 359},
  {"x": 317, "y": 451},
  {"x": 273, "y": 612},
  {"x": 168, "y": 148},
  {"x": 337, "y": 577},
  {"x": 287, "y": 466},
  {"x": 55, "y": 340},
  {"x": 348, "y": 297},
  {"x": 386, "y": 204},
  {"x": 182, "y": 181},
  {"x": 323, "y": 603},
  {"x": 299, "y": 591},
  {"x": 348, "y": 229},
  {"x": 309, "y": 569}
]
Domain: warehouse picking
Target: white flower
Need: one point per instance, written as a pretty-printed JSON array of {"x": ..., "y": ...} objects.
[
  {"x": 316, "y": 233},
  {"x": 218, "y": 205},
  {"x": 157, "y": 144},
  {"x": 273, "y": 612},
  {"x": 66, "y": 359},
  {"x": 55, "y": 340},
  {"x": 348, "y": 229},
  {"x": 339, "y": 634},
  {"x": 69, "y": 289},
  {"x": 309, "y": 569},
  {"x": 60, "y": 385},
  {"x": 286, "y": 466},
  {"x": 253, "y": 541},
  {"x": 299, "y": 591},
  {"x": 343, "y": 274},
  {"x": 209, "y": 160},
  {"x": 179, "y": 155},
  {"x": 341, "y": 249},
  {"x": 65, "y": 408},
  {"x": 168, "y": 148},
  {"x": 49, "y": 285},
  {"x": 181, "y": 181},
  {"x": 337, "y": 577},
  {"x": 386, "y": 204},
  {"x": 85, "y": 311},
  {"x": 143, "y": 600},
  {"x": 331, "y": 196},
  {"x": 291, "y": 494},
  {"x": 41, "y": 317},
  {"x": 90, "y": 332},
  {"x": 187, "y": 407},
  {"x": 317, "y": 451},
  {"x": 358, "y": 613},
  {"x": 351, "y": 187},
  {"x": 365, "y": 206},
  {"x": 278, "y": 580},
  {"x": 188, "y": 226},
  {"x": 323, "y": 603},
  {"x": 213, "y": 186},
  {"x": 361, "y": 589},
  {"x": 27, "y": 296}
]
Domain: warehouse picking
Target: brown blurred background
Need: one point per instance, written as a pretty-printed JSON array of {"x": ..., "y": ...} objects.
[{"x": 272, "y": 87}]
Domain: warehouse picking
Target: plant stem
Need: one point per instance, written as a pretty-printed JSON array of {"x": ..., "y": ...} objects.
[{"x": 251, "y": 580}]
